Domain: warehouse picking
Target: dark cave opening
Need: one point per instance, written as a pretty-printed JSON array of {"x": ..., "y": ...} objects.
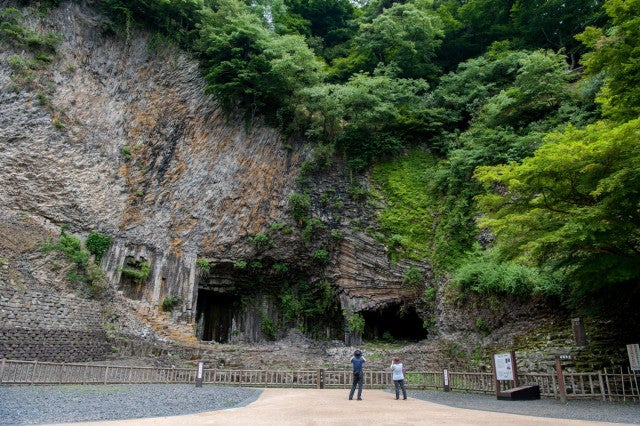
[
  {"x": 214, "y": 314},
  {"x": 393, "y": 322}
]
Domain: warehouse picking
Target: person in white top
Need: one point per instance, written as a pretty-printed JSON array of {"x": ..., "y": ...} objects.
[{"x": 398, "y": 378}]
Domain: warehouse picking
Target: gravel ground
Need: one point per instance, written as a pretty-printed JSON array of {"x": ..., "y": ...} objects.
[
  {"x": 600, "y": 411},
  {"x": 32, "y": 405}
]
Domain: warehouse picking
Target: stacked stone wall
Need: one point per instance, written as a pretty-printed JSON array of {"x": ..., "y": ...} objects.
[{"x": 50, "y": 327}]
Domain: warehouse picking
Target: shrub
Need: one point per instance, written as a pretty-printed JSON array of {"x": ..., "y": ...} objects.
[
  {"x": 356, "y": 323},
  {"x": 204, "y": 264},
  {"x": 322, "y": 255},
  {"x": 300, "y": 206},
  {"x": 483, "y": 275},
  {"x": 412, "y": 277},
  {"x": 268, "y": 328},
  {"x": 262, "y": 241},
  {"x": 280, "y": 267},
  {"x": 126, "y": 152},
  {"x": 357, "y": 193},
  {"x": 97, "y": 244},
  {"x": 430, "y": 294},
  {"x": 276, "y": 226},
  {"x": 140, "y": 273},
  {"x": 169, "y": 303}
]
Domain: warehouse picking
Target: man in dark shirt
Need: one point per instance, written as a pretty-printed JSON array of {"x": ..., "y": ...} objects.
[{"x": 358, "y": 377}]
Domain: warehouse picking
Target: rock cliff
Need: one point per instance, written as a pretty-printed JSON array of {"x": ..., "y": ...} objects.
[{"x": 114, "y": 133}]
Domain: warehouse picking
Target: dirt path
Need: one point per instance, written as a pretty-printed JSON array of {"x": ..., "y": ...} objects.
[{"x": 321, "y": 407}]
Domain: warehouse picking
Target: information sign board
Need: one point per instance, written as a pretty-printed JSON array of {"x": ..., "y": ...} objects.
[{"x": 504, "y": 366}]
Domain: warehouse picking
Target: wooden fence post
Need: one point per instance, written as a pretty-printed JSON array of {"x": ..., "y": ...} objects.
[
  {"x": 514, "y": 365},
  {"x": 33, "y": 374},
  {"x": 561, "y": 386},
  {"x": 496, "y": 381},
  {"x": 606, "y": 379},
  {"x": 1, "y": 370}
]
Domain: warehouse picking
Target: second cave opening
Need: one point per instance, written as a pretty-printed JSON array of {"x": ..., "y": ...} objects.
[{"x": 393, "y": 321}]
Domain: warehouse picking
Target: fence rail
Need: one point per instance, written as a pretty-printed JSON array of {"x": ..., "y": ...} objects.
[{"x": 608, "y": 385}]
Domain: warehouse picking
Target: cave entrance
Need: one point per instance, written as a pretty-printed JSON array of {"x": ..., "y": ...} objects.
[
  {"x": 214, "y": 315},
  {"x": 393, "y": 322}
]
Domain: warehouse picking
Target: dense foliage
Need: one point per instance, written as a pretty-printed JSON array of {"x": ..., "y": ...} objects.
[{"x": 529, "y": 110}]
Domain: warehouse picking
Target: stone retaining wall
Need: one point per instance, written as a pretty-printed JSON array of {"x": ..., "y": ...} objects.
[{"x": 50, "y": 327}]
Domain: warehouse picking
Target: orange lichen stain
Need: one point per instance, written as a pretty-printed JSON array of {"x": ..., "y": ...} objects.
[
  {"x": 210, "y": 242},
  {"x": 176, "y": 242},
  {"x": 175, "y": 173}
]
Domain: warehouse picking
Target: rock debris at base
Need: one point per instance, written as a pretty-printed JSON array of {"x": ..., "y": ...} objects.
[{"x": 33, "y": 405}]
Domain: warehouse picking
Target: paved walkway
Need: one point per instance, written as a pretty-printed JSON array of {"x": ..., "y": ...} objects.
[{"x": 321, "y": 407}]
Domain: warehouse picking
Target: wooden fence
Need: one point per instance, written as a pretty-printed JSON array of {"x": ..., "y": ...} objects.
[{"x": 608, "y": 385}]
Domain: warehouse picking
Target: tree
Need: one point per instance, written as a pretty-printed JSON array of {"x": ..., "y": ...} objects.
[
  {"x": 472, "y": 27},
  {"x": 370, "y": 117},
  {"x": 552, "y": 24},
  {"x": 405, "y": 36},
  {"x": 616, "y": 55},
  {"x": 233, "y": 62},
  {"x": 327, "y": 20},
  {"x": 573, "y": 206},
  {"x": 249, "y": 68},
  {"x": 176, "y": 18},
  {"x": 540, "y": 87}
]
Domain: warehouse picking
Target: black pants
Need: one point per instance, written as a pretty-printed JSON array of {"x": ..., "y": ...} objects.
[
  {"x": 400, "y": 384},
  {"x": 357, "y": 381}
]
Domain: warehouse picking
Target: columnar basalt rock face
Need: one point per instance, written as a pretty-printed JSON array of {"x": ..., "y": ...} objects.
[{"x": 117, "y": 135}]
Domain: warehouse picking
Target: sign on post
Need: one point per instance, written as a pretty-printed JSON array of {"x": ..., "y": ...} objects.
[
  {"x": 199, "y": 375},
  {"x": 445, "y": 376},
  {"x": 634, "y": 356}
]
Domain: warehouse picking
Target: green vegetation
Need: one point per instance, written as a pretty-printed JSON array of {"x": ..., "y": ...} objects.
[
  {"x": 280, "y": 267},
  {"x": 126, "y": 152},
  {"x": 356, "y": 323},
  {"x": 408, "y": 216},
  {"x": 261, "y": 241},
  {"x": 413, "y": 278},
  {"x": 139, "y": 272},
  {"x": 97, "y": 244},
  {"x": 322, "y": 255},
  {"x": 36, "y": 53},
  {"x": 13, "y": 32},
  {"x": 85, "y": 271},
  {"x": 169, "y": 303},
  {"x": 240, "y": 264},
  {"x": 204, "y": 264},
  {"x": 268, "y": 327},
  {"x": 484, "y": 275},
  {"x": 300, "y": 206}
]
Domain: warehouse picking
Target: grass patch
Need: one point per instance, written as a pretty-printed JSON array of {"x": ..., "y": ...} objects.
[{"x": 408, "y": 218}]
